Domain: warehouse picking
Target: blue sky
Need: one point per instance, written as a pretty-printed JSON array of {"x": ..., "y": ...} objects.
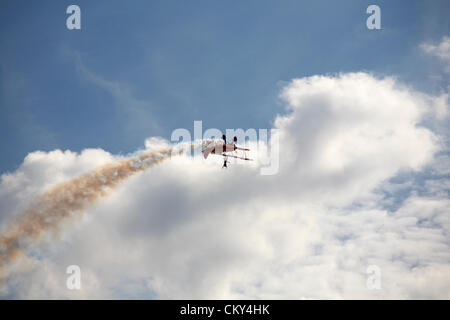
[
  {"x": 144, "y": 68},
  {"x": 360, "y": 178}
]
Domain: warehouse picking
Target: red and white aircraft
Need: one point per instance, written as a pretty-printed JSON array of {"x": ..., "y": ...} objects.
[{"x": 226, "y": 150}]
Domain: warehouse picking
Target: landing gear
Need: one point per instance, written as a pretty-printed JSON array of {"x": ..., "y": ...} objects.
[{"x": 225, "y": 160}]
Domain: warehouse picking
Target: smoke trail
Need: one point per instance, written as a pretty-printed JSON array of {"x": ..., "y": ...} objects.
[{"x": 68, "y": 200}]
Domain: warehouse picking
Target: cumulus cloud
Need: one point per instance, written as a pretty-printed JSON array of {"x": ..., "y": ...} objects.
[
  {"x": 440, "y": 50},
  {"x": 186, "y": 229}
]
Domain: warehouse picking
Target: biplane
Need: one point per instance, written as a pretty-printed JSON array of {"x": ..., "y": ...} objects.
[{"x": 226, "y": 150}]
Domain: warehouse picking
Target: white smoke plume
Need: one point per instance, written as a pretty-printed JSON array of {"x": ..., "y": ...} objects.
[{"x": 68, "y": 200}]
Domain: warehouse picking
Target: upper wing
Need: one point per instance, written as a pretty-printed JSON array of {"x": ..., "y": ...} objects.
[{"x": 208, "y": 150}]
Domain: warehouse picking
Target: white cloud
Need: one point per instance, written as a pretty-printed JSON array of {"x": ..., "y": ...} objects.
[
  {"x": 440, "y": 50},
  {"x": 186, "y": 229}
]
